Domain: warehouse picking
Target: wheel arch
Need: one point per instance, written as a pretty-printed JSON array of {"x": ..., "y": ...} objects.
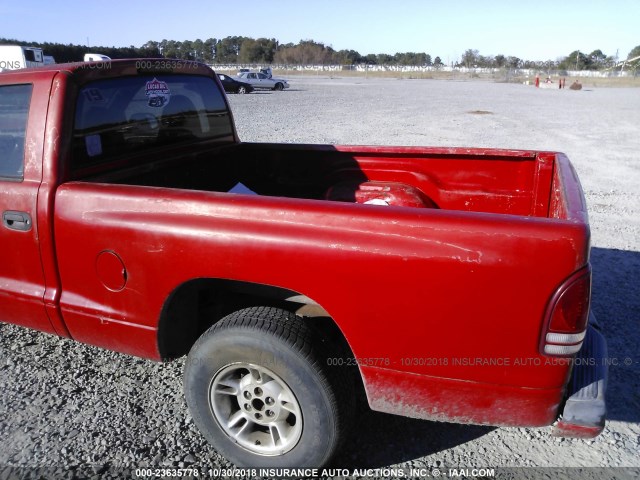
[{"x": 195, "y": 305}]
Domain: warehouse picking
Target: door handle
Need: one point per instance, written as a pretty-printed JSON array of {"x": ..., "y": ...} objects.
[{"x": 20, "y": 221}]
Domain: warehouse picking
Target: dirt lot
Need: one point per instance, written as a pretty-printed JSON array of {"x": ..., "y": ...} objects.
[
  {"x": 599, "y": 129},
  {"x": 65, "y": 406}
]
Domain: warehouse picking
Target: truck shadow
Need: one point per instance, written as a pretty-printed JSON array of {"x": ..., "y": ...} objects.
[
  {"x": 615, "y": 300},
  {"x": 380, "y": 440}
]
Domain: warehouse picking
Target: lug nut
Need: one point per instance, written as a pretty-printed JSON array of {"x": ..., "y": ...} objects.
[
  {"x": 247, "y": 395},
  {"x": 269, "y": 401},
  {"x": 258, "y": 391}
]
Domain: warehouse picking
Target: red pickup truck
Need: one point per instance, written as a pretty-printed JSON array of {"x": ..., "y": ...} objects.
[{"x": 443, "y": 284}]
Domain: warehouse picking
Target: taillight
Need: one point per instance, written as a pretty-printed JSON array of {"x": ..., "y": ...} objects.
[{"x": 567, "y": 316}]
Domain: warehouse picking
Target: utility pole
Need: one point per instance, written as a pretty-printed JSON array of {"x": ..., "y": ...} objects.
[{"x": 577, "y": 58}]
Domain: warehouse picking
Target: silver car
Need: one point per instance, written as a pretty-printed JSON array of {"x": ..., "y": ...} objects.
[{"x": 260, "y": 80}]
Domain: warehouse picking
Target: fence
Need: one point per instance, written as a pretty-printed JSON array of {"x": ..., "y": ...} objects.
[{"x": 424, "y": 69}]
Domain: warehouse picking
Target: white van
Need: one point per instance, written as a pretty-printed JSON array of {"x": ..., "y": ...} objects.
[
  {"x": 95, "y": 57},
  {"x": 13, "y": 57}
]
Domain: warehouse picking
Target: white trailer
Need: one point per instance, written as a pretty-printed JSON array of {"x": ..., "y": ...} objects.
[
  {"x": 13, "y": 57},
  {"x": 95, "y": 57}
]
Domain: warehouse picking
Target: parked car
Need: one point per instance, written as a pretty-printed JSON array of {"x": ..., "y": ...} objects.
[
  {"x": 260, "y": 80},
  {"x": 232, "y": 85}
]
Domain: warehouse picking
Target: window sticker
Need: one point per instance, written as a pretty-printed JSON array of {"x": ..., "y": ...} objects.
[
  {"x": 94, "y": 96},
  {"x": 158, "y": 93},
  {"x": 93, "y": 144}
]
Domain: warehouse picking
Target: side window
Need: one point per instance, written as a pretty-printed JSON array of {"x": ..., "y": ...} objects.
[
  {"x": 29, "y": 55},
  {"x": 14, "y": 110}
]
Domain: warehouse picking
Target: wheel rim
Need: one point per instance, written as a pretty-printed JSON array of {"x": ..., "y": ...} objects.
[
  {"x": 256, "y": 409},
  {"x": 241, "y": 90}
]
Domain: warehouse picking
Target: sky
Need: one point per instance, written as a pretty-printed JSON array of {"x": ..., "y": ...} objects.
[{"x": 528, "y": 29}]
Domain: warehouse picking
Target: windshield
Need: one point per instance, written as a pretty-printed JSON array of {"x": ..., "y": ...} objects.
[{"x": 118, "y": 116}]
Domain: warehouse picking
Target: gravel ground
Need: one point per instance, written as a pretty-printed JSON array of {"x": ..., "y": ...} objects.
[{"x": 75, "y": 411}]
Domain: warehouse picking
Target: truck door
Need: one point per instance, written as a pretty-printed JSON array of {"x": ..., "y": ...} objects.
[{"x": 21, "y": 274}]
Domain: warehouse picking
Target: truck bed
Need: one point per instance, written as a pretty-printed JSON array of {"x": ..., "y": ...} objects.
[{"x": 471, "y": 180}]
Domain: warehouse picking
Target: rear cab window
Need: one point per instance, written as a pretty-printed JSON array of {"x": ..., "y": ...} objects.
[
  {"x": 120, "y": 116},
  {"x": 14, "y": 112}
]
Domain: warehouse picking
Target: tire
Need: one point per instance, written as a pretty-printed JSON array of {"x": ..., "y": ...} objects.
[
  {"x": 279, "y": 87},
  {"x": 259, "y": 388},
  {"x": 242, "y": 90}
]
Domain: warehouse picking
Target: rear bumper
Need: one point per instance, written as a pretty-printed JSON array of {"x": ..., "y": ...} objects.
[{"x": 584, "y": 411}]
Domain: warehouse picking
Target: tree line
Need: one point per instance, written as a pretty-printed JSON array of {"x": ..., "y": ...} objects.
[
  {"x": 576, "y": 60},
  {"x": 247, "y": 50},
  {"x": 75, "y": 53}
]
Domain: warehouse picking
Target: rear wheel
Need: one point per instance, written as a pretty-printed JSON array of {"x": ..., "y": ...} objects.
[
  {"x": 259, "y": 387},
  {"x": 242, "y": 90}
]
